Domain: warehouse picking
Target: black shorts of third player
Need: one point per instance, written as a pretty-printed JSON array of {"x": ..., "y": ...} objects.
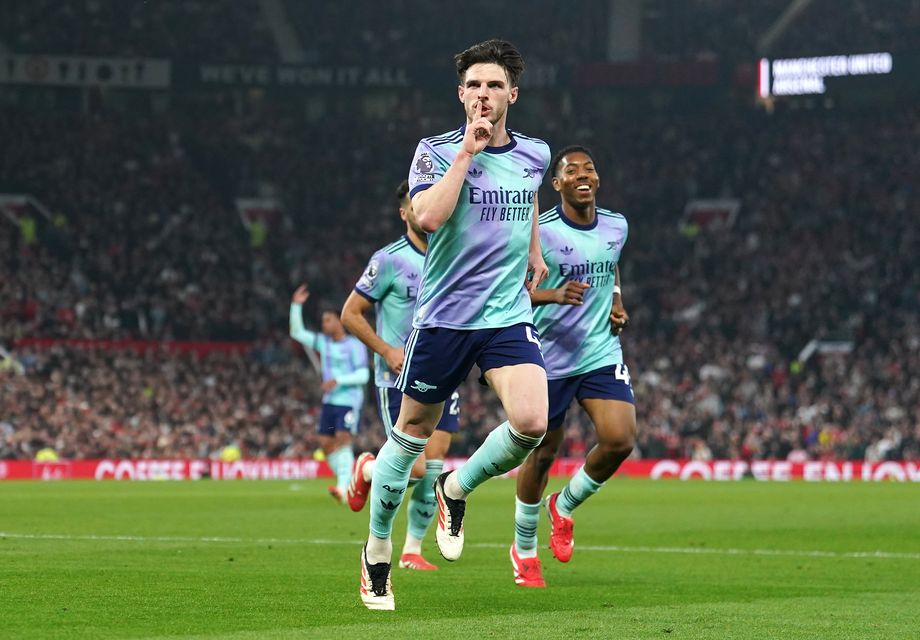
[
  {"x": 607, "y": 383},
  {"x": 389, "y": 400},
  {"x": 438, "y": 359},
  {"x": 334, "y": 418}
]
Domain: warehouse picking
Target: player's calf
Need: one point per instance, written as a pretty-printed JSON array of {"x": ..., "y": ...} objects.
[{"x": 605, "y": 458}]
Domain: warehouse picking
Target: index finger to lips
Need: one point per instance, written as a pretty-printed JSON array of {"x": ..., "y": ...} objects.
[{"x": 478, "y": 109}]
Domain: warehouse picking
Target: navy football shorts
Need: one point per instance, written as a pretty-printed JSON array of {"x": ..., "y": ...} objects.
[
  {"x": 606, "y": 383},
  {"x": 334, "y": 418},
  {"x": 389, "y": 400},
  {"x": 439, "y": 359}
]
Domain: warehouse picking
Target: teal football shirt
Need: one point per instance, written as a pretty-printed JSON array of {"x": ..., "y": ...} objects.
[
  {"x": 391, "y": 281},
  {"x": 578, "y": 339},
  {"x": 342, "y": 360},
  {"x": 476, "y": 263}
]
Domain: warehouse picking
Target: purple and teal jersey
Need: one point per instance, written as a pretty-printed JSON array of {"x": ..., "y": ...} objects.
[
  {"x": 578, "y": 339},
  {"x": 477, "y": 261},
  {"x": 342, "y": 360},
  {"x": 391, "y": 282}
]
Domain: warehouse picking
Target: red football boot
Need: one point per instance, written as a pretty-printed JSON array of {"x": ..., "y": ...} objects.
[
  {"x": 359, "y": 488},
  {"x": 527, "y": 571},
  {"x": 561, "y": 539}
]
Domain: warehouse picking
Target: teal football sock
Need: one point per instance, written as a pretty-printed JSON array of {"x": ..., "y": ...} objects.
[
  {"x": 503, "y": 450},
  {"x": 422, "y": 505},
  {"x": 341, "y": 461},
  {"x": 526, "y": 518},
  {"x": 579, "y": 488},
  {"x": 391, "y": 477}
]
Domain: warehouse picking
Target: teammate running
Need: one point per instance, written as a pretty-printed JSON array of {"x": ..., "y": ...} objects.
[
  {"x": 579, "y": 313},
  {"x": 390, "y": 286},
  {"x": 345, "y": 372}
]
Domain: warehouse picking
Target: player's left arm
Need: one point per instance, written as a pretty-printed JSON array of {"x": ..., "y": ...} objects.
[
  {"x": 298, "y": 331},
  {"x": 536, "y": 265},
  {"x": 618, "y": 316}
]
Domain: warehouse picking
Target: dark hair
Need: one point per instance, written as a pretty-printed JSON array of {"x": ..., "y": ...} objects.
[
  {"x": 575, "y": 148},
  {"x": 402, "y": 191},
  {"x": 329, "y": 309},
  {"x": 500, "y": 52}
]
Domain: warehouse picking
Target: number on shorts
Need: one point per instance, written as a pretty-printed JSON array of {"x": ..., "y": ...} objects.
[
  {"x": 621, "y": 372},
  {"x": 454, "y": 408},
  {"x": 532, "y": 338}
]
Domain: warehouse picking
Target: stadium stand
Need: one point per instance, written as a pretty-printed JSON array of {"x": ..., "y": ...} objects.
[
  {"x": 171, "y": 28},
  {"x": 732, "y": 29},
  {"x": 719, "y": 317},
  {"x": 335, "y": 33}
]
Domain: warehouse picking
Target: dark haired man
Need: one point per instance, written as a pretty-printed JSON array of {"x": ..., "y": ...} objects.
[
  {"x": 345, "y": 372},
  {"x": 580, "y": 314},
  {"x": 474, "y": 191},
  {"x": 389, "y": 285}
]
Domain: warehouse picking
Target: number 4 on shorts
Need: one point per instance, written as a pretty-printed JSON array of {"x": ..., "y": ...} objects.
[{"x": 621, "y": 372}]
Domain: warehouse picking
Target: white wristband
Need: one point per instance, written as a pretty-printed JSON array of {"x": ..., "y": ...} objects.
[{"x": 616, "y": 289}]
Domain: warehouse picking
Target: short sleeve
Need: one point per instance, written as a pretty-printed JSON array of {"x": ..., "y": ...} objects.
[
  {"x": 427, "y": 168},
  {"x": 547, "y": 158},
  {"x": 376, "y": 279}
]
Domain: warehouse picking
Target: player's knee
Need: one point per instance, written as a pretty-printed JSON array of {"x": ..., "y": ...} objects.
[
  {"x": 418, "y": 426},
  {"x": 618, "y": 444},
  {"x": 544, "y": 458},
  {"x": 532, "y": 425}
]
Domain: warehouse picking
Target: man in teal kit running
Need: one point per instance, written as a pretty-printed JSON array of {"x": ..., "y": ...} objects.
[
  {"x": 345, "y": 372},
  {"x": 474, "y": 191},
  {"x": 389, "y": 285},
  {"x": 579, "y": 314}
]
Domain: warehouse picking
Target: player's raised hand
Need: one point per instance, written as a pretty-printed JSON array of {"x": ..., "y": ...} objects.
[
  {"x": 395, "y": 357},
  {"x": 618, "y": 318},
  {"x": 300, "y": 295},
  {"x": 536, "y": 271},
  {"x": 572, "y": 293},
  {"x": 478, "y": 132}
]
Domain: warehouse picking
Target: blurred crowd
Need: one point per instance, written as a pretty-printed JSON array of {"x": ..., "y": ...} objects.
[
  {"x": 823, "y": 248},
  {"x": 135, "y": 242},
  {"x": 407, "y": 32},
  {"x": 197, "y": 30},
  {"x": 734, "y": 30},
  {"x": 92, "y": 403},
  {"x": 827, "y": 27}
]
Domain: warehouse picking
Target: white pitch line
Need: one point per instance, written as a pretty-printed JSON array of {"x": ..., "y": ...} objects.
[{"x": 797, "y": 553}]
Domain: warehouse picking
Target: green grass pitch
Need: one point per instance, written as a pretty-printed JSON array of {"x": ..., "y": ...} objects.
[{"x": 253, "y": 560}]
